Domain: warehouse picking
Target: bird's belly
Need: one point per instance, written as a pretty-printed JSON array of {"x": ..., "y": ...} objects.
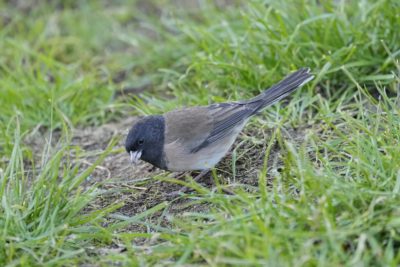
[
  {"x": 204, "y": 159},
  {"x": 204, "y": 163}
]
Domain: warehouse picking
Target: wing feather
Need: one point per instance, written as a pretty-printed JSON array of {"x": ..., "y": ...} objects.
[{"x": 226, "y": 118}]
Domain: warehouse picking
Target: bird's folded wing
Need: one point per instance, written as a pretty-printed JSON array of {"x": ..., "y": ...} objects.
[
  {"x": 187, "y": 127},
  {"x": 198, "y": 127},
  {"x": 227, "y": 119}
]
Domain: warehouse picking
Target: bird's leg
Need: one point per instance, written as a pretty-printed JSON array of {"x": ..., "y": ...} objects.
[
  {"x": 201, "y": 174},
  {"x": 185, "y": 188}
]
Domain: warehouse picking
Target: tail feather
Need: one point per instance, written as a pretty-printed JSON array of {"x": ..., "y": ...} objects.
[{"x": 280, "y": 90}]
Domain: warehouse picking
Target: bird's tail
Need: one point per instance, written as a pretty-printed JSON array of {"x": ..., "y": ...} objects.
[{"x": 280, "y": 90}]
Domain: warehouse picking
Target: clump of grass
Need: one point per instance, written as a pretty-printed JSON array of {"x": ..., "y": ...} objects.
[
  {"x": 241, "y": 51},
  {"x": 41, "y": 211},
  {"x": 333, "y": 202},
  {"x": 48, "y": 66}
]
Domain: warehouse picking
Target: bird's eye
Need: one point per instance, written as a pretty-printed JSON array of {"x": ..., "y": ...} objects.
[{"x": 140, "y": 142}]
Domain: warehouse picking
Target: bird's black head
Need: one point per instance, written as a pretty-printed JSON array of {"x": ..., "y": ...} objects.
[{"x": 145, "y": 141}]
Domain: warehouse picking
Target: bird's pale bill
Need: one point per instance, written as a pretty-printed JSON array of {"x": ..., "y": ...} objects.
[{"x": 135, "y": 156}]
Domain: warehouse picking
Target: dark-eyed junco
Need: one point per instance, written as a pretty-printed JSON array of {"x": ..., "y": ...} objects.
[{"x": 196, "y": 138}]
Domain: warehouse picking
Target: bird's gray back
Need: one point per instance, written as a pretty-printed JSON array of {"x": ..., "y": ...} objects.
[{"x": 188, "y": 125}]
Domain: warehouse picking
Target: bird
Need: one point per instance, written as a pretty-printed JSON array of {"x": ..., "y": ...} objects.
[{"x": 197, "y": 138}]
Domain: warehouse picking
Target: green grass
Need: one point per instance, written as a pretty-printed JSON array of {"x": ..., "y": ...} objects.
[{"x": 336, "y": 196}]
